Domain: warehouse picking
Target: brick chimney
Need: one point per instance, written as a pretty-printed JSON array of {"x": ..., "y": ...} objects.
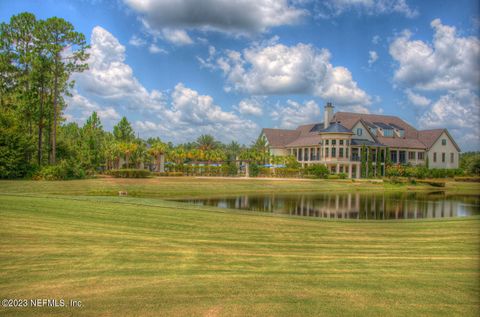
[{"x": 327, "y": 115}]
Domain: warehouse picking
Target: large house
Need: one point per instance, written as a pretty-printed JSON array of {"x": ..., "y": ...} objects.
[{"x": 340, "y": 140}]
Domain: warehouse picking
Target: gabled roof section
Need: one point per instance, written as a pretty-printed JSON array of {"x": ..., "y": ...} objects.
[
  {"x": 306, "y": 140},
  {"x": 306, "y": 128},
  {"x": 429, "y": 137},
  {"x": 280, "y": 137},
  {"x": 336, "y": 128},
  {"x": 401, "y": 142},
  {"x": 349, "y": 119}
]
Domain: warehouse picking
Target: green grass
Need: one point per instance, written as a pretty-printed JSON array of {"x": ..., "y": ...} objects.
[{"x": 130, "y": 256}]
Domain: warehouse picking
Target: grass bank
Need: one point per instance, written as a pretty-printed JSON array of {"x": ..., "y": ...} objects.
[{"x": 187, "y": 187}]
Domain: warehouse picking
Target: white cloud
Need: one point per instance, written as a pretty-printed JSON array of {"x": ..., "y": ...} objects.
[
  {"x": 459, "y": 111},
  {"x": 376, "y": 39},
  {"x": 294, "y": 114},
  {"x": 333, "y": 8},
  {"x": 232, "y": 17},
  {"x": 250, "y": 107},
  {"x": 447, "y": 67},
  {"x": 450, "y": 62},
  {"x": 108, "y": 113},
  {"x": 137, "y": 41},
  {"x": 111, "y": 78},
  {"x": 178, "y": 116},
  {"x": 373, "y": 56},
  {"x": 176, "y": 36},
  {"x": 154, "y": 49},
  {"x": 416, "y": 99},
  {"x": 277, "y": 69},
  {"x": 83, "y": 108}
]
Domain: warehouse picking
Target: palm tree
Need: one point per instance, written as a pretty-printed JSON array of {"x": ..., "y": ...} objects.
[
  {"x": 206, "y": 142},
  {"x": 261, "y": 145},
  {"x": 233, "y": 150},
  {"x": 127, "y": 148},
  {"x": 139, "y": 156},
  {"x": 157, "y": 150},
  {"x": 112, "y": 154},
  {"x": 178, "y": 155}
]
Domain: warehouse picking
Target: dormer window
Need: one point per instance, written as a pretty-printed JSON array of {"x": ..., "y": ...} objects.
[
  {"x": 359, "y": 131},
  {"x": 388, "y": 132},
  {"x": 373, "y": 131},
  {"x": 401, "y": 133}
]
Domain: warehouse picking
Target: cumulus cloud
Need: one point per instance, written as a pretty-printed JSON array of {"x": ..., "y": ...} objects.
[
  {"x": 250, "y": 107},
  {"x": 458, "y": 111},
  {"x": 416, "y": 99},
  {"x": 232, "y": 17},
  {"x": 80, "y": 108},
  {"x": 333, "y": 8},
  {"x": 450, "y": 62},
  {"x": 109, "y": 77},
  {"x": 293, "y": 114},
  {"x": 178, "y": 116},
  {"x": 277, "y": 69},
  {"x": 448, "y": 66},
  {"x": 372, "y": 57}
]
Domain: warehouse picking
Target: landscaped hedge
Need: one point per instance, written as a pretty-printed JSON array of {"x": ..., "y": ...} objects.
[
  {"x": 433, "y": 183},
  {"x": 468, "y": 179},
  {"x": 422, "y": 172},
  {"x": 167, "y": 173},
  {"x": 204, "y": 170},
  {"x": 130, "y": 173},
  {"x": 286, "y": 172}
]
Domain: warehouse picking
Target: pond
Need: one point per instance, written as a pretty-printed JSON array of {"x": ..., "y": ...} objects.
[{"x": 361, "y": 206}]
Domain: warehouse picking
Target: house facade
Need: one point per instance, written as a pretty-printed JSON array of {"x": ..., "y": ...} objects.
[{"x": 340, "y": 141}]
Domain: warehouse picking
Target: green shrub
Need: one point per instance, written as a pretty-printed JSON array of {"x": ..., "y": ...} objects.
[
  {"x": 342, "y": 176},
  {"x": 254, "y": 170},
  {"x": 230, "y": 169},
  {"x": 333, "y": 176},
  {"x": 62, "y": 171},
  {"x": 317, "y": 170},
  {"x": 130, "y": 173}
]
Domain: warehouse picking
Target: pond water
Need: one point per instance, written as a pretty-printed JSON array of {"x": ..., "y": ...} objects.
[{"x": 362, "y": 206}]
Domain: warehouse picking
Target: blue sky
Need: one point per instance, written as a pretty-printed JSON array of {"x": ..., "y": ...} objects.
[{"x": 178, "y": 69}]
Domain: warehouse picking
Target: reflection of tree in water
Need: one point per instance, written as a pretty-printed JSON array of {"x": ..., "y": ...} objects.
[{"x": 406, "y": 205}]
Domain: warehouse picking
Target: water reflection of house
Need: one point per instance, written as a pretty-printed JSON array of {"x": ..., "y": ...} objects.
[
  {"x": 357, "y": 206},
  {"x": 337, "y": 142},
  {"x": 381, "y": 206}
]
